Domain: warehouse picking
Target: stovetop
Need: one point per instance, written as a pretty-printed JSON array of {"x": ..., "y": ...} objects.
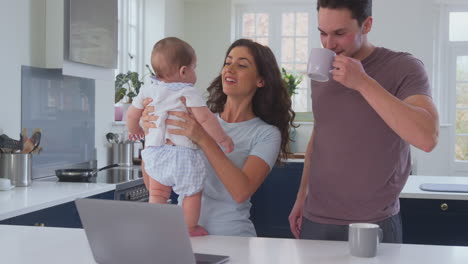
[{"x": 122, "y": 177}]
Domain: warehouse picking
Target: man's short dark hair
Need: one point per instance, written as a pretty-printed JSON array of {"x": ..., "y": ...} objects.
[{"x": 360, "y": 9}]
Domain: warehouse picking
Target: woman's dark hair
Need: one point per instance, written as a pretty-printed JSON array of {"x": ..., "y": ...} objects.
[
  {"x": 360, "y": 9},
  {"x": 271, "y": 103}
]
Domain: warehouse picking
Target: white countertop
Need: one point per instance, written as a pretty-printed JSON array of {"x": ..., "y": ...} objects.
[
  {"x": 44, "y": 194},
  {"x": 26, "y": 244},
  {"x": 412, "y": 190}
]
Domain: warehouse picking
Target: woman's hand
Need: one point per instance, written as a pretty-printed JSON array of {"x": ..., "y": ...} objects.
[
  {"x": 189, "y": 127},
  {"x": 146, "y": 117}
]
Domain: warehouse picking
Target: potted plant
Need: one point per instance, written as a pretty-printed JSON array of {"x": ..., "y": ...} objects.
[
  {"x": 292, "y": 81},
  {"x": 127, "y": 86}
]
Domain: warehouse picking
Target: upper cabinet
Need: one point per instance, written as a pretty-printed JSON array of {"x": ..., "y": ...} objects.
[{"x": 81, "y": 37}]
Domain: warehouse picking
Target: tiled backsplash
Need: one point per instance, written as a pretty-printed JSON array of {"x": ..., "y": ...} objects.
[{"x": 64, "y": 108}]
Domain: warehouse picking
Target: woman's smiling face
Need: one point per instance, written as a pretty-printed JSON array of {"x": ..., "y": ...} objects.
[{"x": 239, "y": 75}]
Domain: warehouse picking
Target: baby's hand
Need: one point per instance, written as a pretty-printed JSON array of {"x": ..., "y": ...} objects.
[
  {"x": 227, "y": 144},
  {"x": 137, "y": 135}
]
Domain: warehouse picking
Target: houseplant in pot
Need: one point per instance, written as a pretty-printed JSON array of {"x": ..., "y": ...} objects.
[
  {"x": 292, "y": 81},
  {"x": 127, "y": 86}
]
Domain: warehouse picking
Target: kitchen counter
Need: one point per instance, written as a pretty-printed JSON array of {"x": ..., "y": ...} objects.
[
  {"x": 411, "y": 189},
  {"x": 23, "y": 244},
  {"x": 44, "y": 194}
]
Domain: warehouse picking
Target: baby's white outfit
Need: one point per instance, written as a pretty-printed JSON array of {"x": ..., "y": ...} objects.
[{"x": 181, "y": 166}]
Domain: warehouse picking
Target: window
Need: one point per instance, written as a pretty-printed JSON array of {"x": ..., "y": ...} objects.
[
  {"x": 130, "y": 48},
  {"x": 454, "y": 55},
  {"x": 287, "y": 30}
]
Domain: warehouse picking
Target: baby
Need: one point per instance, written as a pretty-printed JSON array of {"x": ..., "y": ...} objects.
[{"x": 174, "y": 162}]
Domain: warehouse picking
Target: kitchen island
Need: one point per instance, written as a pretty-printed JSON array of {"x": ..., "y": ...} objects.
[{"x": 24, "y": 244}]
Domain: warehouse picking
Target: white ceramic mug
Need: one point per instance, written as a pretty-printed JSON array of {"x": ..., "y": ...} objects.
[
  {"x": 364, "y": 239},
  {"x": 320, "y": 64},
  {"x": 5, "y": 184}
]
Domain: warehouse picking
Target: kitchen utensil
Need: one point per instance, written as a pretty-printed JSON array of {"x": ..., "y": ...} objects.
[
  {"x": 111, "y": 138},
  {"x": 79, "y": 175},
  {"x": 9, "y": 145},
  {"x": 122, "y": 153},
  {"x": 32, "y": 143},
  {"x": 17, "y": 167}
]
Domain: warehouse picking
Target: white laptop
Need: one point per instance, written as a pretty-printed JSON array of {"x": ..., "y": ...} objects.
[{"x": 133, "y": 232}]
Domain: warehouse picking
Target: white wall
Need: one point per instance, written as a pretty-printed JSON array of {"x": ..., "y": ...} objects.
[
  {"x": 23, "y": 35},
  {"x": 208, "y": 29}
]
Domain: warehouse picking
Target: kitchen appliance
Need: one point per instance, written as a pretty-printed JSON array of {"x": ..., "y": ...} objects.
[
  {"x": 78, "y": 175},
  {"x": 17, "y": 167},
  {"x": 129, "y": 185}
]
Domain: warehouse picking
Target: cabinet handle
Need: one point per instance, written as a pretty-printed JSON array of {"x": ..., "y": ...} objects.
[{"x": 443, "y": 206}]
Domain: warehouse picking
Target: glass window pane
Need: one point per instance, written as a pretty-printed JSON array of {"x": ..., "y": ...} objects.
[
  {"x": 462, "y": 68},
  {"x": 133, "y": 13},
  {"x": 263, "y": 41},
  {"x": 287, "y": 26},
  {"x": 461, "y": 148},
  {"x": 248, "y": 24},
  {"x": 262, "y": 24},
  {"x": 457, "y": 26},
  {"x": 462, "y": 122},
  {"x": 462, "y": 95},
  {"x": 132, "y": 63},
  {"x": 302, "y": 24},
  {"x": 287, "y": 49},
  {"x": 132, "y": 40},
  {"x": 287, "y": 66},
  {"x": 302, "y": 48},
  {"x": 302, "y": 68},
  {"x": 300, "y": 100}
]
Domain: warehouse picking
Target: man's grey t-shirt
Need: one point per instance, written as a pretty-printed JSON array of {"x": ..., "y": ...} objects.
[
  {"x": 220, "y": 213},
  {"x": 358, "y": 164}
]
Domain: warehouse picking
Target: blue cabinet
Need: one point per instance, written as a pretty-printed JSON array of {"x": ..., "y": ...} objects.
[
  {"x": 435, "y": 222},
  {"x": 425, "y": 221},
  {"x": 273, "y": 201},
  {"x": 62, "y": 215}
]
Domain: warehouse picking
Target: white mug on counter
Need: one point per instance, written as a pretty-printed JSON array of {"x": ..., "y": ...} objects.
[
  {"x": 364, "y": 239},
  {"x": 5, "y": 184}
]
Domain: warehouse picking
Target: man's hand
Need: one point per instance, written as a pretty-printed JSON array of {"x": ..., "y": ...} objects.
[
  {"x": 295, "y": 218},
  {"x": 349, "y": 72}
]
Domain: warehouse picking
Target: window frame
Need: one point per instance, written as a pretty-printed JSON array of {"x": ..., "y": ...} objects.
[
  {"x": 123, "y": 65},
  {"x": 275, "y": 12},
  {"x": 447, "y": 57}
]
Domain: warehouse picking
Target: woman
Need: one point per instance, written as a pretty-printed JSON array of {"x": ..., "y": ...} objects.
[{"x": 253, "y": 106}]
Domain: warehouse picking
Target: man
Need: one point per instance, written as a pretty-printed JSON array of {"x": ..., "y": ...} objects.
[{"x": 358, "y": 157}]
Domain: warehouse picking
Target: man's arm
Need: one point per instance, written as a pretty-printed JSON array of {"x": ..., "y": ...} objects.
[
  {"x": 295, "y": 217},
  {"x": 414, "y": 119}
]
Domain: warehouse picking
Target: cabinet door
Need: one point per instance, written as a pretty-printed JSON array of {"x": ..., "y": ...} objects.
[
  {"x": 62, "y": 215},
  {"x": 273, "y": 201},
  {"x": 435, "y": 222}
]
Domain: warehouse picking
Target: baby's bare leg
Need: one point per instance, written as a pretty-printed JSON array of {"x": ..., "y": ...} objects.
[
  {"x": 191, "y": 205},
  {"x": 158, "y": 193}
]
